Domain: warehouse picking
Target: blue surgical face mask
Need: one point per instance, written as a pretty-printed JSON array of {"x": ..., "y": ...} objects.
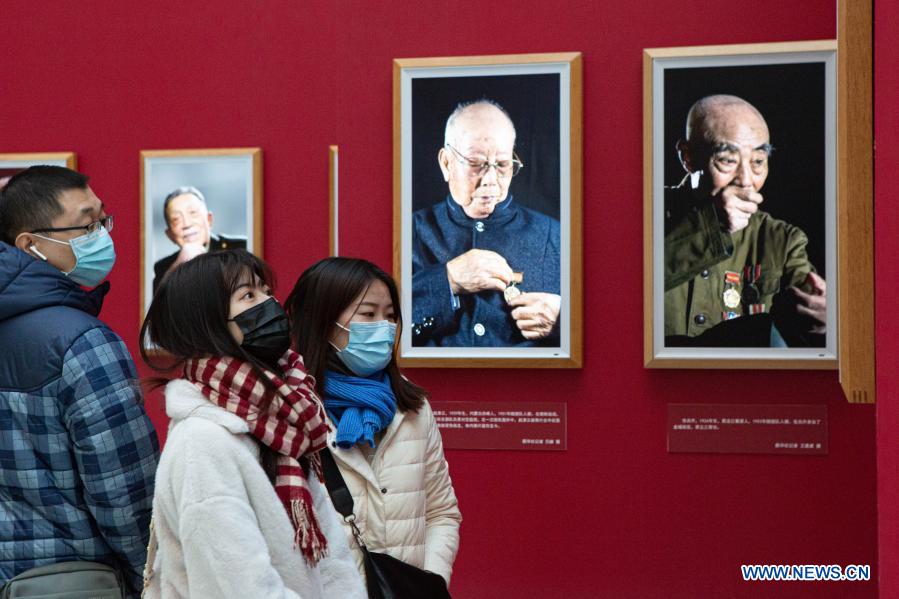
[
  {"x": 370, "y": 346},
  {"x": 94, "y": 256}
]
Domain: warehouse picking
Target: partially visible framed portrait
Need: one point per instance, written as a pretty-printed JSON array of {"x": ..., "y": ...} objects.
[
  {"x": 195, "y": 201},
  {"x": 10, "y": 164},
  {"x": 487, "y": 210},
  {"x": 334, "y": 203},
  {"x": 740, "y": 221}
]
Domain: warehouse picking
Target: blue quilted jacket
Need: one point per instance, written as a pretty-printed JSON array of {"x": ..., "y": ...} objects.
[{"x": 77, "y": 452}]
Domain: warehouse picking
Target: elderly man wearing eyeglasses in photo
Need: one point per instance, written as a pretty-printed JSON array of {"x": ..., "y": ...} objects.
[{"x": 485, "y": 269}]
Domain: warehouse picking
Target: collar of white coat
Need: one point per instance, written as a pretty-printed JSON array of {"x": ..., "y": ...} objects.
[
  {"x": 353, "y": 457},
  {"x": 183, "y": 400}
]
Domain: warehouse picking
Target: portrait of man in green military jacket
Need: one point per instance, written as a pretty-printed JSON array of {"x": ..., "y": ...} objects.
[{"x": 734, "y": 275}]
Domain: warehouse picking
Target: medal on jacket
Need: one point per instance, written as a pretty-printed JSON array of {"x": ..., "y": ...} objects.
[
  {"x": 731, "y": 296},
  {"x": 511, "y": 290},
  {"x": 751, "y": 293}
]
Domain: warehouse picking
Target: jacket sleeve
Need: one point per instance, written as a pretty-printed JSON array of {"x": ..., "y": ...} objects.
[
  {"x": 114, "y": 444},
  {"x": 694, "y": 240},
  {"x": 442, "y": 513}
]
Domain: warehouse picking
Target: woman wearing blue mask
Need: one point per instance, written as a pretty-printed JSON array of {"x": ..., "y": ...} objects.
[{"x": 345, "y": 322}]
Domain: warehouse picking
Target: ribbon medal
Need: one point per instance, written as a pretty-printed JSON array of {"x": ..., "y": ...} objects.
[
  {"x": 751, "y": 293},
  {"x": 731, "y": 296}
]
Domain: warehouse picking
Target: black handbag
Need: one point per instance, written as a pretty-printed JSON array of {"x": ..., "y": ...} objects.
[{"x": 386, "y": 577}]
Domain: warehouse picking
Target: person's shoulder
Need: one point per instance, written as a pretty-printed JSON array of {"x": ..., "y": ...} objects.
[
  {"x": 538, "y": 223},
  {"x": 538, "y": 217},
  {"x": 203, "y": 437},
  {"x": 420, "y": 419},
  {"x": 226, "y": 242},
  {"x": 162, "y": 265},
  {"x": 50, "y": 335},
  {"x": 63, "y": 329},
  {"x": 428, "y": 212}
]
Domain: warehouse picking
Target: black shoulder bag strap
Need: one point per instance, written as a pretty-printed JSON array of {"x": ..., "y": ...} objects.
[{"x": 343, "y": 503}]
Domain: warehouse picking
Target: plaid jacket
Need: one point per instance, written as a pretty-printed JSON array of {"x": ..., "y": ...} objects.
[{"x": 77, "y": 452}]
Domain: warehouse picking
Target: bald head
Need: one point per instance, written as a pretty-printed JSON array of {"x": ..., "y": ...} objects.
[
  {"x": 478, "y": 115},
  {"x": 727, "y": 142},
  {"x": 709, "y": 115}
]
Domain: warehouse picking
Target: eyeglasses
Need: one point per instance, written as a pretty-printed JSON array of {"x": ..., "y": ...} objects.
[
  {"x": 106, "y": 222},
  {"x": 504, "y": 168}
]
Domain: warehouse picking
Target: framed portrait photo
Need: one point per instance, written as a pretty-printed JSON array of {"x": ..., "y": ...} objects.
[
  {"x": 740, "y": 206},
  {"x": 10, "y": 164},
  {"x": 487, "y": 210},
  {"x": 195, "y": 201}
]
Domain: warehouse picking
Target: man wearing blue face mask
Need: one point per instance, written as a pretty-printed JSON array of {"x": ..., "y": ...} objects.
[{"x": 77, "y": 450}]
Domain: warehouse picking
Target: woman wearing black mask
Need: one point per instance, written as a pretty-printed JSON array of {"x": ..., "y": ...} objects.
[{"x": 239, "y": 509}]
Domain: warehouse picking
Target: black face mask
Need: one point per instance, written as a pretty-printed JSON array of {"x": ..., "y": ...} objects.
[{"x": 266, "y": 334}]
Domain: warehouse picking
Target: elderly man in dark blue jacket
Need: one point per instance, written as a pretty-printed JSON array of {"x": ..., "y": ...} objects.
[
  {"x": 77, "y": 452},
  {"x": 485, "y": 270}
]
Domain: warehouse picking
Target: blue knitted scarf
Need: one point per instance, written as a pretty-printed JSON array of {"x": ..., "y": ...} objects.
[{"x": 360, "y": 406}]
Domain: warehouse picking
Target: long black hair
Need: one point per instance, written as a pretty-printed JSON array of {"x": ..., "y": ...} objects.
[
  {"x": 188, "y": 317},
  {"x": 320, "y": 295}
]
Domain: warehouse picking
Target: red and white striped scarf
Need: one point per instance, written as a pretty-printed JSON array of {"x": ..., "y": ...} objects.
[{"x": 293, "y": 425}]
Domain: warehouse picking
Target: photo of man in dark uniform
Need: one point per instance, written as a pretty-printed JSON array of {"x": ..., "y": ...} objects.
[{"x": 189, "y": 226}]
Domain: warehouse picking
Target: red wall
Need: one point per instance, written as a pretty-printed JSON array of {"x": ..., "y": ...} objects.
[
  {"x": 886, "y": 134},
  {"x": 613, "y": 516}
]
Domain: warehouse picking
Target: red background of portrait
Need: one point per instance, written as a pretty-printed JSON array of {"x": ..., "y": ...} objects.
[{"x": 615, "y": 515}]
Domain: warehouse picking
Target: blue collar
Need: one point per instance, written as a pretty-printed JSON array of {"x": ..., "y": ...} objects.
[{"x": 503, "y": 213}]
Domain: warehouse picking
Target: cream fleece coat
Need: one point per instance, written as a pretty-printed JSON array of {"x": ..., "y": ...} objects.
[
  {"x": 221, "y": 529},
  {"x": 404, "y": 501}
]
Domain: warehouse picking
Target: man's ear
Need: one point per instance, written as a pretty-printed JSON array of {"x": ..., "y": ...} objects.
[
  {"x": 24, "y": 241},
  {"x": 209, "y": 218},
  {"x": 443, "y": 161},
  {"x": 685, "y": 155}
]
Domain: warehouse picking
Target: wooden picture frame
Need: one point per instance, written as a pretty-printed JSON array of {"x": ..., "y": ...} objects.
[
  {"x": 333, "y": 203},
  {"x": 11, "y": 163},
  {"x": 758, "y": 73},
  {"x": 541, "y": 94},
  {"x": 855, "y": 164},
  {"x": 230, "y": 181}
]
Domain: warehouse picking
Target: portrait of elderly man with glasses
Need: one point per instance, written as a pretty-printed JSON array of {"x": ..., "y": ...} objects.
[
  {"x": 734, "y": 275},
  {"x": 485, "y": 269}
]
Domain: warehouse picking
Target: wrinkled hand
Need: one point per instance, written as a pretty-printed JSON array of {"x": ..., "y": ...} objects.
[
  {"x": 813, "y": 305},
  {"x": 478, "y": 270},
  {"x": 535, "y": 314},
  {"x": 735, "y": 205}
]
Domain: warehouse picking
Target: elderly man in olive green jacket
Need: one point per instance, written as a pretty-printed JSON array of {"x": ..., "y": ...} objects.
[{"x": 724, "y": 258}]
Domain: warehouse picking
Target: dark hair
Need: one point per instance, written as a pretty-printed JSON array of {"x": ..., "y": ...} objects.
[
  {"x": 30, "y": 200},
  {"x": 319, "y": 296},
  {"x": 188, "y": 316},
  {"x": 180, "y": 191}
]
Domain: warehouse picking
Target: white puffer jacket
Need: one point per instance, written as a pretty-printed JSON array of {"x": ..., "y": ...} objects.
[
  {"x": 220, "y": 527},
  {"x": 404, "y": 501}
]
